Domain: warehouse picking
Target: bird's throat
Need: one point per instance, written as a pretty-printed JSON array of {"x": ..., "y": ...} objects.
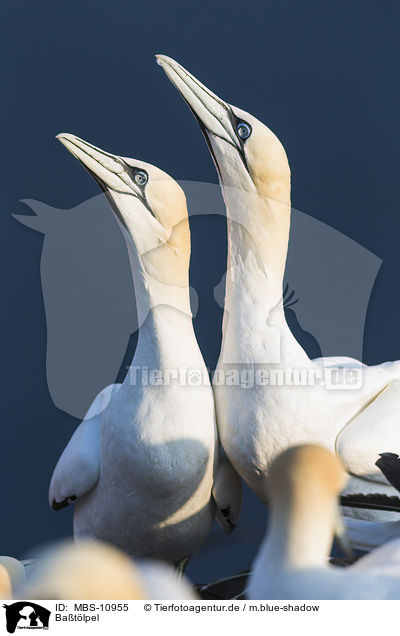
[{"x": 258, "y": 235}]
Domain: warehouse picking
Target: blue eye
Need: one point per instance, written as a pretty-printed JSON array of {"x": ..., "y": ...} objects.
[
  {"x": 243, "y": 130},
  {"x": 141, "y": 177}
]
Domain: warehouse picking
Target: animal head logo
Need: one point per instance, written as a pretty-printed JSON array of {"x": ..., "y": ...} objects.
[
  {"x": 26, "y": 615},
  {"x": 90, "y": 304}
]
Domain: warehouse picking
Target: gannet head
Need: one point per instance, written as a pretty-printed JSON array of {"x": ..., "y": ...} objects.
[
  {"x": 85, "y": 569},
  {"x": 5, "y": 583},
  {"x": 150, "y": 205},
  {"x": 12, "y": 573},
  {"x": 246, "y": 153},
  {"x": 309, "y": 476}
]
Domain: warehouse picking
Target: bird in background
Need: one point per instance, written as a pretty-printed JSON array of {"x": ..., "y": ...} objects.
[
  {"x": 141, "y": 465},
  {"x": 12, "y": 573},
  {"x": 292, "y": 563},
  {"x": 91, "y": 569},
  {"x": 356, "y": 420}
]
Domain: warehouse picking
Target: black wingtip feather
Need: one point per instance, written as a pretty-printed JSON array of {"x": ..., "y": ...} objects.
[
  {"x": 59, "y": 505},
  {"x": 389, "y": 465},
  {"x": 371, "y": 502}
]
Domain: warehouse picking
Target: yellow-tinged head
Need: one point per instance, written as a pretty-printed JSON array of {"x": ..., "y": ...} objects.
[
  {"x": 5, "y": 583},
  {"x": 303, "y": 487},
  {"x": 12, "y": 573},
  {"x": 85, "y": 569},
  {"x": 247, "y": 154},
  {"x": 309, "y": 469},
  {"x": 150, "y": 205}
]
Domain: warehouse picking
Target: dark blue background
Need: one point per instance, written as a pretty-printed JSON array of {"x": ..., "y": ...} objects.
[{"x": 323, "y": 76}]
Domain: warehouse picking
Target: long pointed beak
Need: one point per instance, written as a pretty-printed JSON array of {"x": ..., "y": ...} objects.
[
  {"x": 213, "y": 114},
  {"x": 110, "y": 171},
  {"x": 341, "y": 535}
]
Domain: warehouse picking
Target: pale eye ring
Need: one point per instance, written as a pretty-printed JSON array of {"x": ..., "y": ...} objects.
[
  {"x": 243, "y": 130},
  {"x": 141, "y": 177}
]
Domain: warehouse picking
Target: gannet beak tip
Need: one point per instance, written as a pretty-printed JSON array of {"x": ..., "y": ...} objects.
[
  {"x": 163, "y": 60},
  {"x": 63, "y": 137}
]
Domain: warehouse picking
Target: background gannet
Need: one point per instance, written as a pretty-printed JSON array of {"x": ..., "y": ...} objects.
[
  {"x": 257, "y": 423},
  {"x": 141, "y": 463},
  {"x": 5, "y": 582},
  {"x": 12, "y": 573},
  {"x": 303, "y": 487},
  {"x": 90, "y": 569}
]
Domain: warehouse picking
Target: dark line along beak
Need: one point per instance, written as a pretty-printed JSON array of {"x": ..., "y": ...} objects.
[
  {"x": 214, "y": 116},
  {"x": 110, "y": 171}
]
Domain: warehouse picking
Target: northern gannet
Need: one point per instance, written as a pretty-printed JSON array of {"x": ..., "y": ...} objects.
[
  {"x": 141, "y": 463},
  {"x": 292, "y": 563},
  {"x": 256, "y": 423},
  {"x": 5, "y": 583},
  {"x": 94, "y": 570},
  {"x": 12, "y": 573}
]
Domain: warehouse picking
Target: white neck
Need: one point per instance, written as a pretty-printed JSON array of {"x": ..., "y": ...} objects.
[
  {"x": 151, "y": 292},
  {"x": 166, "y": 335},
  {"x": 249, "y": 271},
  {"x": 258, "y": 227},
  {"x": 258, "y": 234},
  {"x": 299, "y": 536},
  {"x": 167, "y": 341}
]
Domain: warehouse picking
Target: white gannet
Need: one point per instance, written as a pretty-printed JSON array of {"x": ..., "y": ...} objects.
[
  {"x": 141, "y": 463},
  {"x": 5, "y": 582},
  {"x": 256, "y": 423},
  {"x": 91, "y": 569},
  {"x": 292, "y": 563},
  {"x": 12, "y": 573}
]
